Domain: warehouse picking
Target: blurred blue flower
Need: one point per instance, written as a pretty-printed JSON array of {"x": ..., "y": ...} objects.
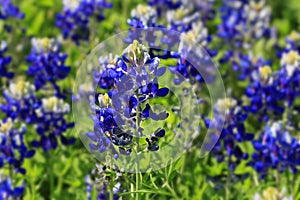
[
  {"x": 243, "y": 22},
  {"x": 47, "y": 63},
  {"x": 12, "y": 147},
  {"x": 4, "y": 61},
  {"x": 8, "y": 9},
  {"x": 263, "y": 93},
  {"x": 51, "y": 123},
  {"x": 227, "y": 148},
  {"x": 275, "y": 149},
  {"x": 8, "y": 190},
  {"x": 20, "y": 101},
  {"x": 47, "y": 114},
  {"x": 75, "y": 19}
]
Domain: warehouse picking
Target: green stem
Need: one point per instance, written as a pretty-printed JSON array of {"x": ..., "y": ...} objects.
[
  {"x": 137, "y": 166},
  {"x": 111, "y": 189},
  {"x": 228, "y": 180},
  {"x": 50, "y": 173}
]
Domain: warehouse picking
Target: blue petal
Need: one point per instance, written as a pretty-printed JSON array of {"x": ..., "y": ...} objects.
[
  {"x": 160, "y": 133},
  {"x": 162, "y": 92},
  {"x": 93, "y": 147},
  {"x": 160, "y": 71}
]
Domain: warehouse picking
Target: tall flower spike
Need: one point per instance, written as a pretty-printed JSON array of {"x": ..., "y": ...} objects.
[
  {"x": 182, "y": 18},
  {"x": 263, "y": 93},
  {"x": 130, "y": 82}
]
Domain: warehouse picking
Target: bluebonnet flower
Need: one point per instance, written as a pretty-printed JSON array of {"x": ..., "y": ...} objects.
[
  {"x": 204, "y": 7},
  {"x": 85, "y": 91},
  {"x": 292, "y": 42},
  {"x": 275, "y": 149},
  {"x": 287, "y": 78},
  {"x": 51, "y": 123},
  {"x": 263, "y": 94},
  {"x": 20, "y": 100},
  {"x": 47, "y": 114},
  {"x": 290, "y": 62},
  {"x": 8, "y": 190},
  {"x": 12, "y": 147},
  {"x": 13, "y": 151},
  {"x": 75, "y": 19},
  {"x": 189, "y": 41},
  {"x": 47, "y": 63},
  {"x": 244, "y": 64},
  {"x": 131, "y": 81},
  {"x": 7, "y": 9},
  {"x": 234, "y": 132},
  {"x": 143, "y": 17},
  {"x": 243, "y": 21},
  {"x": 182, "y": 18},
  {"x": 4, "y": 61}
]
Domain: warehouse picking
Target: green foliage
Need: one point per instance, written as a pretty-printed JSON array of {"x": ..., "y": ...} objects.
[{"x": 60, "y": 174}]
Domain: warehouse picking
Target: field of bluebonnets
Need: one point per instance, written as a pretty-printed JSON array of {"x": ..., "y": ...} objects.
[{"x": 255, "y": 45}]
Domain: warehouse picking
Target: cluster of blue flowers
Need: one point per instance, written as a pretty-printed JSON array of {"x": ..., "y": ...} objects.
[
  {"x": 243, "y": 23},
  {"x": 8, "y": 9},
  {"x": 13, "y": 151},
  {"x": 275, "y": 149},
  {"x": 25, "y": 105},
  {"x": 182, "y": 17},
  {"x": 130, "y": 81},
  {"x": 47, "y": 114},
  {"x": 271, "y": 91},
  {"x": 75, "y": 20},
  {"x": 270, "y": 95},
  {"x": 236, "y": 18},
  {"x": 47, "y": 63}
]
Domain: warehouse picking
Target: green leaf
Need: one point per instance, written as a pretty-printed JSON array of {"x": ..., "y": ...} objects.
[{"x": 37, "y": 23}]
